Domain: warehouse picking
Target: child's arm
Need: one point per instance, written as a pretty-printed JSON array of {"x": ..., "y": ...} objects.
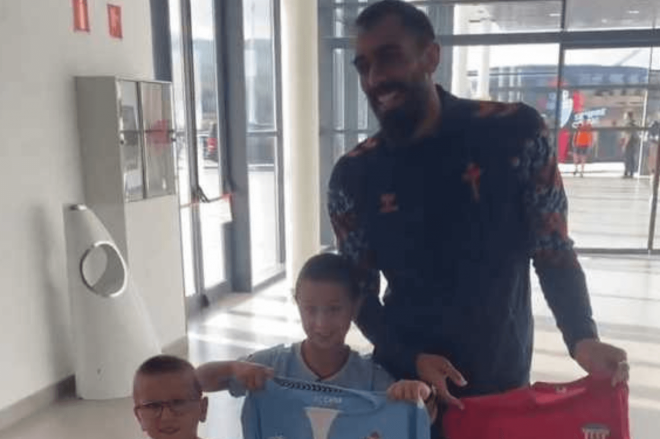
[
  {"x": 409, "y": 390},
  {"x": 414, "y": 391},
  {"x": 215, "y": 376}
]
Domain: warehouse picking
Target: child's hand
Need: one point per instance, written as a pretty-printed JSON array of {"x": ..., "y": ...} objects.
[
  {"x": 408, "y": 390},
  {"x": 251, "y": 375}
]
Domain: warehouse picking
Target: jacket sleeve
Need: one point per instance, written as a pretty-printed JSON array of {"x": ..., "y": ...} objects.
[{"x": 560, "y": 274}]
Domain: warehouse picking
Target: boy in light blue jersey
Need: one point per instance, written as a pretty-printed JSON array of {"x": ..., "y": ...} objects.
[{"x": 328, "y": 300}]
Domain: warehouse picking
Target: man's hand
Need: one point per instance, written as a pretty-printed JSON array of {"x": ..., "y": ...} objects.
[
  {"x": 601, "y": 359},
  {"x": 435, "y": 370},
  {"x": 409, "y": 390},
  {"x": 251, "y": 375}
]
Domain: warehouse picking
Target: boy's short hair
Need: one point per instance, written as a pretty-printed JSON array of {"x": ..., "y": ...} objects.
[
  {"x": 413, "y": 20},
  {"x": 329, "y": 267},
  {"x": 162, "y": 364}
]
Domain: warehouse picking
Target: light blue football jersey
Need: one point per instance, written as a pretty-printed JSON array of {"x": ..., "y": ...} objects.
[{"x": 292, "y": 409}]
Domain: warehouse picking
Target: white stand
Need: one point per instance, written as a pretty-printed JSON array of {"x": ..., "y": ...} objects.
[{"x": 112, "y": 332}]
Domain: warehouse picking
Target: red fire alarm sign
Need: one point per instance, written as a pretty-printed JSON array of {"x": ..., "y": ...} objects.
[
  {"x": 114, "y": 21},
  {"x": 80, "y": 16}
]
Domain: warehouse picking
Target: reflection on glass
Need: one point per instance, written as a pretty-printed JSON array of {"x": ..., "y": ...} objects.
[
  {"x": 449, "y": 18},
  {"x": 178, "y": 94},
  {"x": 338, "y": 146},
  {"x": 157, "y": 119},
  {"x": 131, "y": 155},
  {"x": 628, "y": 14},
  {"x": 212, "y": 244},
  {"x": 603, "y": 87},
  {"x": 129, "y": 106},
  {"x": 344, "y": 19},
  {"x": 181, "y": 150},
  {"x": 259, "y": 64},
  {"x": 607, "y": 211},
  {"x": 508, "y": 73},
  {"x": 185, "y": 215},
  {"x": 496, "y": 17},
  {"x": 206, "y": 98},
  {"x": 363, "y": 108},
  {"x": 339, "y": 73},
  {"x": 262, "y": 148},
  {"x": 625, "y": 66},
  {"x": 130, "y": 139},
  {"x": 207, "y": 143},
  {"x": 264, "y": 205}
]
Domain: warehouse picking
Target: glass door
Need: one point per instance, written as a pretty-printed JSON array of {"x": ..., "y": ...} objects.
[
  {"x": 609, "y": 101},
  {"x": 208, "y": 189},
  {"x": 199, "y": 153}
]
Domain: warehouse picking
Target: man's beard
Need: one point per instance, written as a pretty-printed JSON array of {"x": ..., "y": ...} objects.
[{"x": 400, "y": 123}]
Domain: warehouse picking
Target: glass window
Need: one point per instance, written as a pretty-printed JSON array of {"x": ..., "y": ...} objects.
[
  {"x": 259, "y": 64},
  {"x": 364, "y": 109},
  {"x": 264, "y": 206},
  {"x": 472, "y": 18},
  {"x": 604, "y": 87},
  {"x": 449, "y": 18},
  {"x": 607, "y": 211},
  {"x": 611, "y": 14},
  {"x": 338, "y": 146},
  {"x": 181, "y": 148},
  {"x": 508, "y": 73},
  {"x": 619, "y": 66},
  {"x": 344, "y": 20},
  {"x": 209, "y": 151},
  {"x": 338, "y": 74},
  {"x": 605, "y": 84},
  {"x": 206, "y": 97},
  {"x": 178, "y": 95},
  {"x": 262, "y": 148}
]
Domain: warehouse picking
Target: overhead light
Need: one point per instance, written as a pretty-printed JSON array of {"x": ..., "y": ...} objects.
[
  {"x": 604, "y": 21},
  {"x": 633, "y": 12},
  {"x": 555, "y": 14}
]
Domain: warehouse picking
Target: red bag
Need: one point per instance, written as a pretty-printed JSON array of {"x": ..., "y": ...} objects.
[{"x": 590, "y": 408}]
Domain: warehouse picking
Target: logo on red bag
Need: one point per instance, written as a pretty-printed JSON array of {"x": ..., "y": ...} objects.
[{"x": 595, "y": 431}]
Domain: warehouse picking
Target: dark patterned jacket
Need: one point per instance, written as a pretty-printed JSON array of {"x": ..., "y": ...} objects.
[{"x": 452, "y": 222}]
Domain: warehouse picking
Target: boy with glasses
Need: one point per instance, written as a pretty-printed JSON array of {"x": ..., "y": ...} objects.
[{"x": 168, "y": 398}]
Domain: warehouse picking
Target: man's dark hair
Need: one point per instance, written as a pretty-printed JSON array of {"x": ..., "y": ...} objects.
[
  {"x": 329, "y": 267},
  {"x": 162, "y": 364},
  {"x": 412, "y": 19}
]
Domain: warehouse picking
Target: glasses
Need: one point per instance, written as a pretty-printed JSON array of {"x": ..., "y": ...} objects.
[{"x": 178, "y": 407}]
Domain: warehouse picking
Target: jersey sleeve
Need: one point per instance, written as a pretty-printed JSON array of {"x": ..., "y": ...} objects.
[
  {"x": 560, "y": 274},
  {"x": 267, "y": 357},
  {"x": 382, "y": 380}
]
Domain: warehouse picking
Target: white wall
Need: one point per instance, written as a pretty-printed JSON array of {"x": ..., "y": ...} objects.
[{"x": 39, "y": 171}]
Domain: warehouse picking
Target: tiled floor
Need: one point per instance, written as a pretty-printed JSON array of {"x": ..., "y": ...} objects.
[{"x": 626, "y": 298}]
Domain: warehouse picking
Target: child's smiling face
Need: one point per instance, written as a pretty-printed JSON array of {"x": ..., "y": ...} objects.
[
  {"x": 168, "y": 406},
  {"x": 326, "y": 310}
]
